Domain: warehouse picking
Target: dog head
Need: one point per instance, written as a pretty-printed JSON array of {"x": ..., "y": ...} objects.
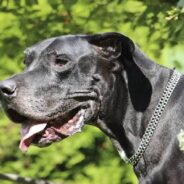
[{"x": 69, "y": 81}]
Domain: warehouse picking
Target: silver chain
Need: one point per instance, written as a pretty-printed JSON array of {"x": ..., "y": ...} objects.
[{"x": 152, "y": 125}]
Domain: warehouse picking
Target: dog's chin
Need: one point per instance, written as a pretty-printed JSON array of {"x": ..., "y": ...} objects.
[{"x": 43, "y": 133}]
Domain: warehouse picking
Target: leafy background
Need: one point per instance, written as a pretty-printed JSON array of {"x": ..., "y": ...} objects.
[{"x": 87, "y": 158}]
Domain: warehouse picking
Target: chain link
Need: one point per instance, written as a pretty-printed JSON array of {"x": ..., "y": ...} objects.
[{"x": 152, "y": 125}]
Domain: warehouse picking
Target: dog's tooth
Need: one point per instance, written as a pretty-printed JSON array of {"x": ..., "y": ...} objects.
[
  {"x": 80, "y": 122},
  {"x": 77, "y": 127},
  {"x": 81, "y": 112}
]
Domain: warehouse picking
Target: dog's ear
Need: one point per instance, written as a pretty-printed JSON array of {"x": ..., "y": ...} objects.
[
  {"x": 110, "y": 44},
  {"x": 135, "y": 64}
]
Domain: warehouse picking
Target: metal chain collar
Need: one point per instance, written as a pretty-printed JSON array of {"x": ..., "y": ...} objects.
[{"x": 152, "y": 125}]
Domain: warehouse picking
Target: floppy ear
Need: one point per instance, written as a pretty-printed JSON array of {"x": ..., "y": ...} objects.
[
  {"x": 110, "y": 44},
  {"x": 120, "y": 47}
]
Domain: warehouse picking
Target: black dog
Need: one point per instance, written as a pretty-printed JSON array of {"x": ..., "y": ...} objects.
[{"x": 104, "y": 80}]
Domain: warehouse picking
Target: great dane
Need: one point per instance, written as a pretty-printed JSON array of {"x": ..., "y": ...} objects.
[{"x": 106, "y": 81}]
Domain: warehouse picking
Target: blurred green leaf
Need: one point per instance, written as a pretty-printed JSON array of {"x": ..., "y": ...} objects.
[
  {"x": 180, "y": 137},
  {"x": 181, "y": 3}
]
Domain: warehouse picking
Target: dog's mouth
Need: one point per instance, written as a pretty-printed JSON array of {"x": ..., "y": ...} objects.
[
  {"x": 45, "y": 133},
  {"x": 42, "y": 129}
]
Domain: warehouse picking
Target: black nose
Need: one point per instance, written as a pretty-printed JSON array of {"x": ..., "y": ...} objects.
[{"x": 7, "y": 88}]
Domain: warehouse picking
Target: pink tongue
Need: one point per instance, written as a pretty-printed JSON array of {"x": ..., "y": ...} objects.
[{"x": 28, "y": 132}]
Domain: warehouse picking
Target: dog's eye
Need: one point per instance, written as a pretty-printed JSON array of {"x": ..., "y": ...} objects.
[{"x": 61, "y": 62}]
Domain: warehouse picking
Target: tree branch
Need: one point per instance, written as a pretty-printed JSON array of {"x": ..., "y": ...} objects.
[{"x": 23, "y": 180}]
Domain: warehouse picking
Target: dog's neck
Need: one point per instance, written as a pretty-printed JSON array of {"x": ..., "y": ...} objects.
[{"x": 127, "y": 127}]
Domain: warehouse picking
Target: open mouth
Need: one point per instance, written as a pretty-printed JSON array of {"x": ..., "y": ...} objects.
[
  {"x": 45, "y": 133},
  {"x": 45, "y": 129}
]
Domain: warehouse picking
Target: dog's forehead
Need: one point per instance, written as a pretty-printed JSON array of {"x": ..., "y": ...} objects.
[{"x": 72, "y": 45}]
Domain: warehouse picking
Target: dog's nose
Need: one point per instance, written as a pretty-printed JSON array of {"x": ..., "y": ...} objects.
[{"x": 7, "y": 88}]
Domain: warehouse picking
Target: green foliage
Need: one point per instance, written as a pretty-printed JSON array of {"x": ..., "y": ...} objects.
[
  {"x": 89, "y": 157},
  {"x": 181, "y": 140}
]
